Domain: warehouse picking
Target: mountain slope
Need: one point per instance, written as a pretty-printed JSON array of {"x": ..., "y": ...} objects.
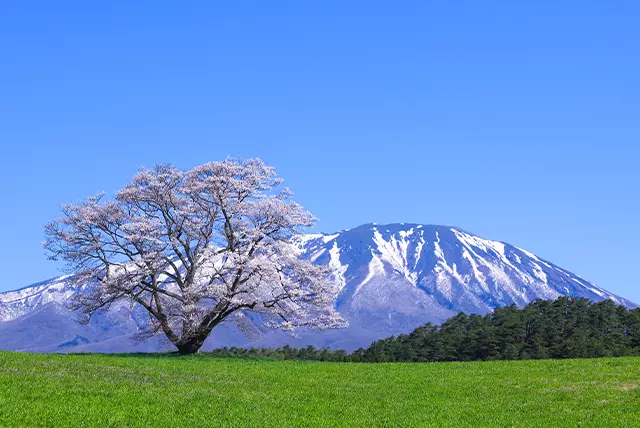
[
  {"x": 392, "y": 279},
  {"x": 457, "y": 270}
]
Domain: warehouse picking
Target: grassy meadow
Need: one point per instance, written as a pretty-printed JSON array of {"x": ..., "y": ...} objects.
[{"x": 168, "y": 390}]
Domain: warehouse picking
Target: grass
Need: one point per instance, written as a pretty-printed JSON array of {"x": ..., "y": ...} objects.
[{"x": 165, "y": 390}]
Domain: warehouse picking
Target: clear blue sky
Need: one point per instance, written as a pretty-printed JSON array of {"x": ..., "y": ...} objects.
[{"x": 518, "y": 121}]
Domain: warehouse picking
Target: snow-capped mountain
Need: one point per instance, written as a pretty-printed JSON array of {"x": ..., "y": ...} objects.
[
  {"x": 392, "y": 279},
  {"x": 447, "y": 266},
  {"x": 14, "y": 304}
]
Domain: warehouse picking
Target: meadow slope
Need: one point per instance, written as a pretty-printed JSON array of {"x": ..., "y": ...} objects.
[{"x": 167, "y": 390}]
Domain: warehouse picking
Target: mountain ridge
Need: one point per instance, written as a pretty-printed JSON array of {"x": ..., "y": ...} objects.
[{"x": 392, "y": 278}]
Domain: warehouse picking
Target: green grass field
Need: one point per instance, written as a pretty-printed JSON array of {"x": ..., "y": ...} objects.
[{"x": 165, "y": 390}]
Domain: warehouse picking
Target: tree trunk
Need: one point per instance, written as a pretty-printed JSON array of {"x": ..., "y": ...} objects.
[{"x": 190, "y": 347}]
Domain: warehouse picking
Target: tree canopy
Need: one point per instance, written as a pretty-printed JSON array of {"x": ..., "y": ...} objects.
[{"x": 194, "y": 249}]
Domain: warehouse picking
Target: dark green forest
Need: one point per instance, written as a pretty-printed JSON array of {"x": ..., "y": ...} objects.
[{"x": 562, "y": 328}]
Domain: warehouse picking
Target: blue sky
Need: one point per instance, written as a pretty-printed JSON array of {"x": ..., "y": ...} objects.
[{"x": 517, "y": 121}]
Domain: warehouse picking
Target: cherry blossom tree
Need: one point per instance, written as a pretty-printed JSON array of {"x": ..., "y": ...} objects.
[{"x": 195, "y": 249}]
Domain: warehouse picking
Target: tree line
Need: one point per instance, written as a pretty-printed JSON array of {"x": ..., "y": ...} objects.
[{"x": 563, "y": 328}]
